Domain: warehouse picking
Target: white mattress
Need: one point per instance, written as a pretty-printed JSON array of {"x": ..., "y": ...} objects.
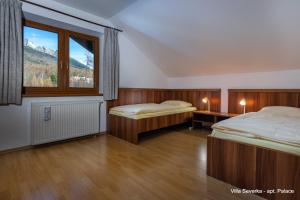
[{"x": 140, "y": 111}]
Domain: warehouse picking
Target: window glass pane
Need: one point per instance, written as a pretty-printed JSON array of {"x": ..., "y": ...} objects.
[
  {"x": 40, "y": 58},
  {"x": 81, "y": 72}
]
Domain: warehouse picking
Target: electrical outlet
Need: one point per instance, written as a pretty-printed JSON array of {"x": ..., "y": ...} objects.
[{"x": 47, "y": 113}]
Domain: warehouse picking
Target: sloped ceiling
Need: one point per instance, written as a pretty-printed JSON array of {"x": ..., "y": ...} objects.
[
  {"x": 101, "y": 8},
  {"x": 202, "y": 37}
]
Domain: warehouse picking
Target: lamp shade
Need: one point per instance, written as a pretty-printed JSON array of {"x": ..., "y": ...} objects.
[
  {"x": 205, "y": 100},
  {"x": 243, "y": 102}
]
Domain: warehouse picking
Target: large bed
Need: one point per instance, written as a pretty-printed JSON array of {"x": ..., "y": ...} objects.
[
  {"x": 259, "y": 151},
  {"x": 274, "y": 127}
]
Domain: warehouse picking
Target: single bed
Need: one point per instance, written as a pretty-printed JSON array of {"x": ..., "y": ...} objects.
[
  {"x": 259, "y": 150},
  {"x": 128, "y": 121}
]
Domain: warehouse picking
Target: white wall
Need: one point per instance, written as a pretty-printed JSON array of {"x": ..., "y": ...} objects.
[
  {"x": 264, "y": 80},
  {"x": 136, "y": 70},
  {"x": 15, "y": 120}
]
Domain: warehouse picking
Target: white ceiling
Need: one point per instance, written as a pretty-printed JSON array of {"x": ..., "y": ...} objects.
[
  {"x": 102, "y": 8},
  {"x": 200, "y": 37}
]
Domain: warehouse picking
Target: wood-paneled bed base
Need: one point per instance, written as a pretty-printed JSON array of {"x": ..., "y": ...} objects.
[
  {"x": 129, "y": 129},
  {"x": 252, "y": 167}
]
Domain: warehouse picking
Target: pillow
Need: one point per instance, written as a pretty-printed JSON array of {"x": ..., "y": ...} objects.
[
  {"x": 177, "y": 103},
  {"x": 281, "y": 110}
]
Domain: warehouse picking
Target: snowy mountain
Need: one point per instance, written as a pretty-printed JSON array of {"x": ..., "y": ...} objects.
[
  {"x": 87, "y": 62},
  {"x": 42, "y": 49}
]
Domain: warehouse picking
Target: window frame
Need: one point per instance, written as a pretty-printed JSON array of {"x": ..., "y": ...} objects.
[{"x": 63, "y": 88}]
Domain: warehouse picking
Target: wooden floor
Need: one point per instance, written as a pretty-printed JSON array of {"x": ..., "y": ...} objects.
[{"x": 168, "y": 165}]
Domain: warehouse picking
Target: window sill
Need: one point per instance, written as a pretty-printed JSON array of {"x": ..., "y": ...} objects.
[{"x": 61, "y": 95}]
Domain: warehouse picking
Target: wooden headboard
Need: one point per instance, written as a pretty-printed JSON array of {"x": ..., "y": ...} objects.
[
  {"x": 129, "y": 96},
  {"x": 259, "y": 98}
]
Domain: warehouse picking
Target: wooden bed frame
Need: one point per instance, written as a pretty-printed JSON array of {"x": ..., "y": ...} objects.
[
  {"x": 129, "y": 129},
  {"x": 252, "y": 167},
  {"x": 249, "y": 166}
]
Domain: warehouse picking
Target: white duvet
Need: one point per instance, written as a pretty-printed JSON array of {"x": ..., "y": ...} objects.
[
  {"x": 279, "y": 124},
  {"x": 144, "y": 108}
]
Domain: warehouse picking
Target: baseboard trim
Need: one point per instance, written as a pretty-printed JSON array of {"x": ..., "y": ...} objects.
[
  {"x": 15, "y": 149},
  {"x": 6, "y": 151},
  {"x": 68, "y": 140}
]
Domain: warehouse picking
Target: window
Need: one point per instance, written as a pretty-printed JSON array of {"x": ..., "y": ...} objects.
[
  {"x": 81, "y": 63},
  {"x": 59, "y": 62},
  {"x": 40, "y": 58}
]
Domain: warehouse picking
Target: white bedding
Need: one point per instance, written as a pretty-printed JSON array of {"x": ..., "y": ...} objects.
[
  {"x": 282, "y": 127},
  {"x": 148, "y": 110},
  {"x": 144, "y": 108}
]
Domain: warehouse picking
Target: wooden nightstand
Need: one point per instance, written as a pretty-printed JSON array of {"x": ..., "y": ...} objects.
[{"x": 206, "y": 118}]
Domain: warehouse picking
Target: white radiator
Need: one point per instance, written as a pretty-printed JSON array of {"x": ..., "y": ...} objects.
[{"x": 53, "y": 121}]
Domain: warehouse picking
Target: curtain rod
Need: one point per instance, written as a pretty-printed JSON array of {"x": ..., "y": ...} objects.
[{"x": 60, "y": 12}]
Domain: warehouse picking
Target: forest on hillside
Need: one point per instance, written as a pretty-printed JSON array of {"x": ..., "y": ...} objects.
[{"x": 40, "y": 70}]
